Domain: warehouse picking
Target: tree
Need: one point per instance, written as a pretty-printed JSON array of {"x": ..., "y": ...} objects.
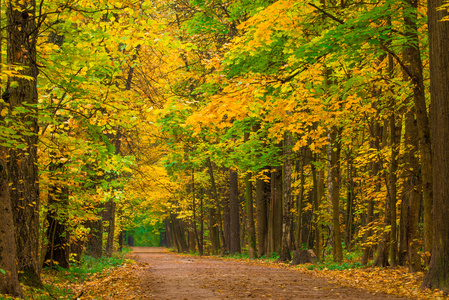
[
  {"x": 21, "y": 94},
  {"x": 9, "y": 281},
  {"x": 438, "y": 275}
]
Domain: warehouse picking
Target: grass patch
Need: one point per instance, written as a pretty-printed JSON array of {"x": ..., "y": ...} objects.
[{"x": 59, "y": 282}]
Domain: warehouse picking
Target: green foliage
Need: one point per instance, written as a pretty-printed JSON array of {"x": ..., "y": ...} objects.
[
  {"x": 90, "y": 266},
  {"x": 334, "y": 266},
  {"x": 145, "y": 233},
  {"x": 271, "y": 257}
]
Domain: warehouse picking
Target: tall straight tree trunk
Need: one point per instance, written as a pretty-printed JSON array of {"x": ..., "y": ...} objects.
[
  {"x": 194, "y": 225},
  {"x": 412, "y": 187},
  {"x": 333, "y": 153},
  {"x": 299, "y": 198},
  {"x": 178, "y": 232},
  {"x": 318, "y": 189},
  {"x": 95, "y": 242},
  {"x": 395, "y": 131},
  {"x": 349, "y": 216},
  {"x": 22, "y": 165},
  {"x": 249, "y": 207},
  {"x": 111, "y": 209},
  {"x": 224, "y": 247},
  {"x": 234, "y": 212},
  {"x": 213, "y": 230},
  {"x": 287, "y": 191},
  {"x": 57, "y": 235},
  {"x": 413, "y": 181},
  {"x": 275, "y": 211},
  {"x": 112, "y": 205},
  {"x": 9, "y": 281},
  {"x": 262, "y": 192},
  {"x": 438, "y": 275},
  {"x": 413, "y": 63},
  {"x": 375, "y": 135},
  {"x": 250, "y": 227}
]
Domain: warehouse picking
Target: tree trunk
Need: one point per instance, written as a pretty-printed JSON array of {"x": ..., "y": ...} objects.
[
  {"x": 57, "y": 235},
  {"x": 224, "y": 247},
  {"x": 22, "y": 165},
  {"x": 111, "y": 208},
  {"x": 438, "y": 275},
  {"x": 9, "y": 281},
  {"x": 375, "y": 134},
  {"x": 287, "y": 189},
  {"x": 412, "y": 193},
  {"x": 349, "y": 216},
  {"x": 178, "y": 233},
  {"x": 412, "y": 60},
  {"x": 275, "y": 211},
  {"x": 299, "y": 197},
  {"x": 262, "y": 192},
  {"x": 250, "y": 227},
  {"x": 234, "y": 212},
  {"x": 395, "y": 139},
  {"x": 95, "y": 242},
  {"x": 333, "y": 152}
]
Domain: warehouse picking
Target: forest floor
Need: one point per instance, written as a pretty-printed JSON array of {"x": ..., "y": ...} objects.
[{"x": 158, "y": 274}]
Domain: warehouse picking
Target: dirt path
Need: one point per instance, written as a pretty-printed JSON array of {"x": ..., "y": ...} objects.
[{"x": 168, "y": 276}]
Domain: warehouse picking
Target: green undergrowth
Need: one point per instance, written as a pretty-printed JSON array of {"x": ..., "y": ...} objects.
[
  {"x": 334, "y": 266},
  {"x": 58, "y": 283},
  {"x": 351, "y": 260}
]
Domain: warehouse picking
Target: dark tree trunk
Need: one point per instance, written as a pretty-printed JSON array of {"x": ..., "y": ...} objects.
[
  {"x": 57, "y": 235},
  {"x": 111, "y": 205},
  {"x": 169, "y": 233},
  {"x": 220, "y": 222},
  {"x": 438, "y": 275},
  {"x": 395, "y": 131},
  {"x": 375, "y": 132},
  {"x": 262, "y": 196},
  {"x": 9, "y": 281},
  {"x": 299, "y": 198},
  {"x": 349, "y": 217},
  {"x": 178, "y": 233},
  {"x": 95, "y": 243},
  {"x": 333, "y": 152},
  {"x": 234, "y": 212},
  {"x": 318, "y": 189},
  {"x": 412, "y": 197},
  {"x": 250, "y": 227},
  {"x": 275, "y": 211},
  {"x": 213, "y": 230},
  {"x": 22, "y": 164},
  {"x": 285, "y": 254},
  {"x": 412, "y": 60}
]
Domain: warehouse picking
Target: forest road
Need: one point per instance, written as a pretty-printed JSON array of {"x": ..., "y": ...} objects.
[{"x": 172, "y": 277}]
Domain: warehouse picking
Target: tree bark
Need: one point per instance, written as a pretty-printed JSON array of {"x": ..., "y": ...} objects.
[
  {"x": 250, "y": 227},
  {"x": 95, "y": 242},
  {"x": 22, "y": 164},
  {"x": 224, "y": 247},
  {"x": 9, "y": 282},
  {"x": 395, "y": 139},
  {"x": 412, "y": 60},
  {"x": 234, "y": 212},
  {"x": 275, "y": 211},
  {"x": 57, "y": 235},
  {"x": 262, "y": 192},
  {"x": 438, "y": 275},
  {"x": 333, "y": 152},
  {"x": 285, "y": 254},
  {"x": 111, "y": 208}
]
